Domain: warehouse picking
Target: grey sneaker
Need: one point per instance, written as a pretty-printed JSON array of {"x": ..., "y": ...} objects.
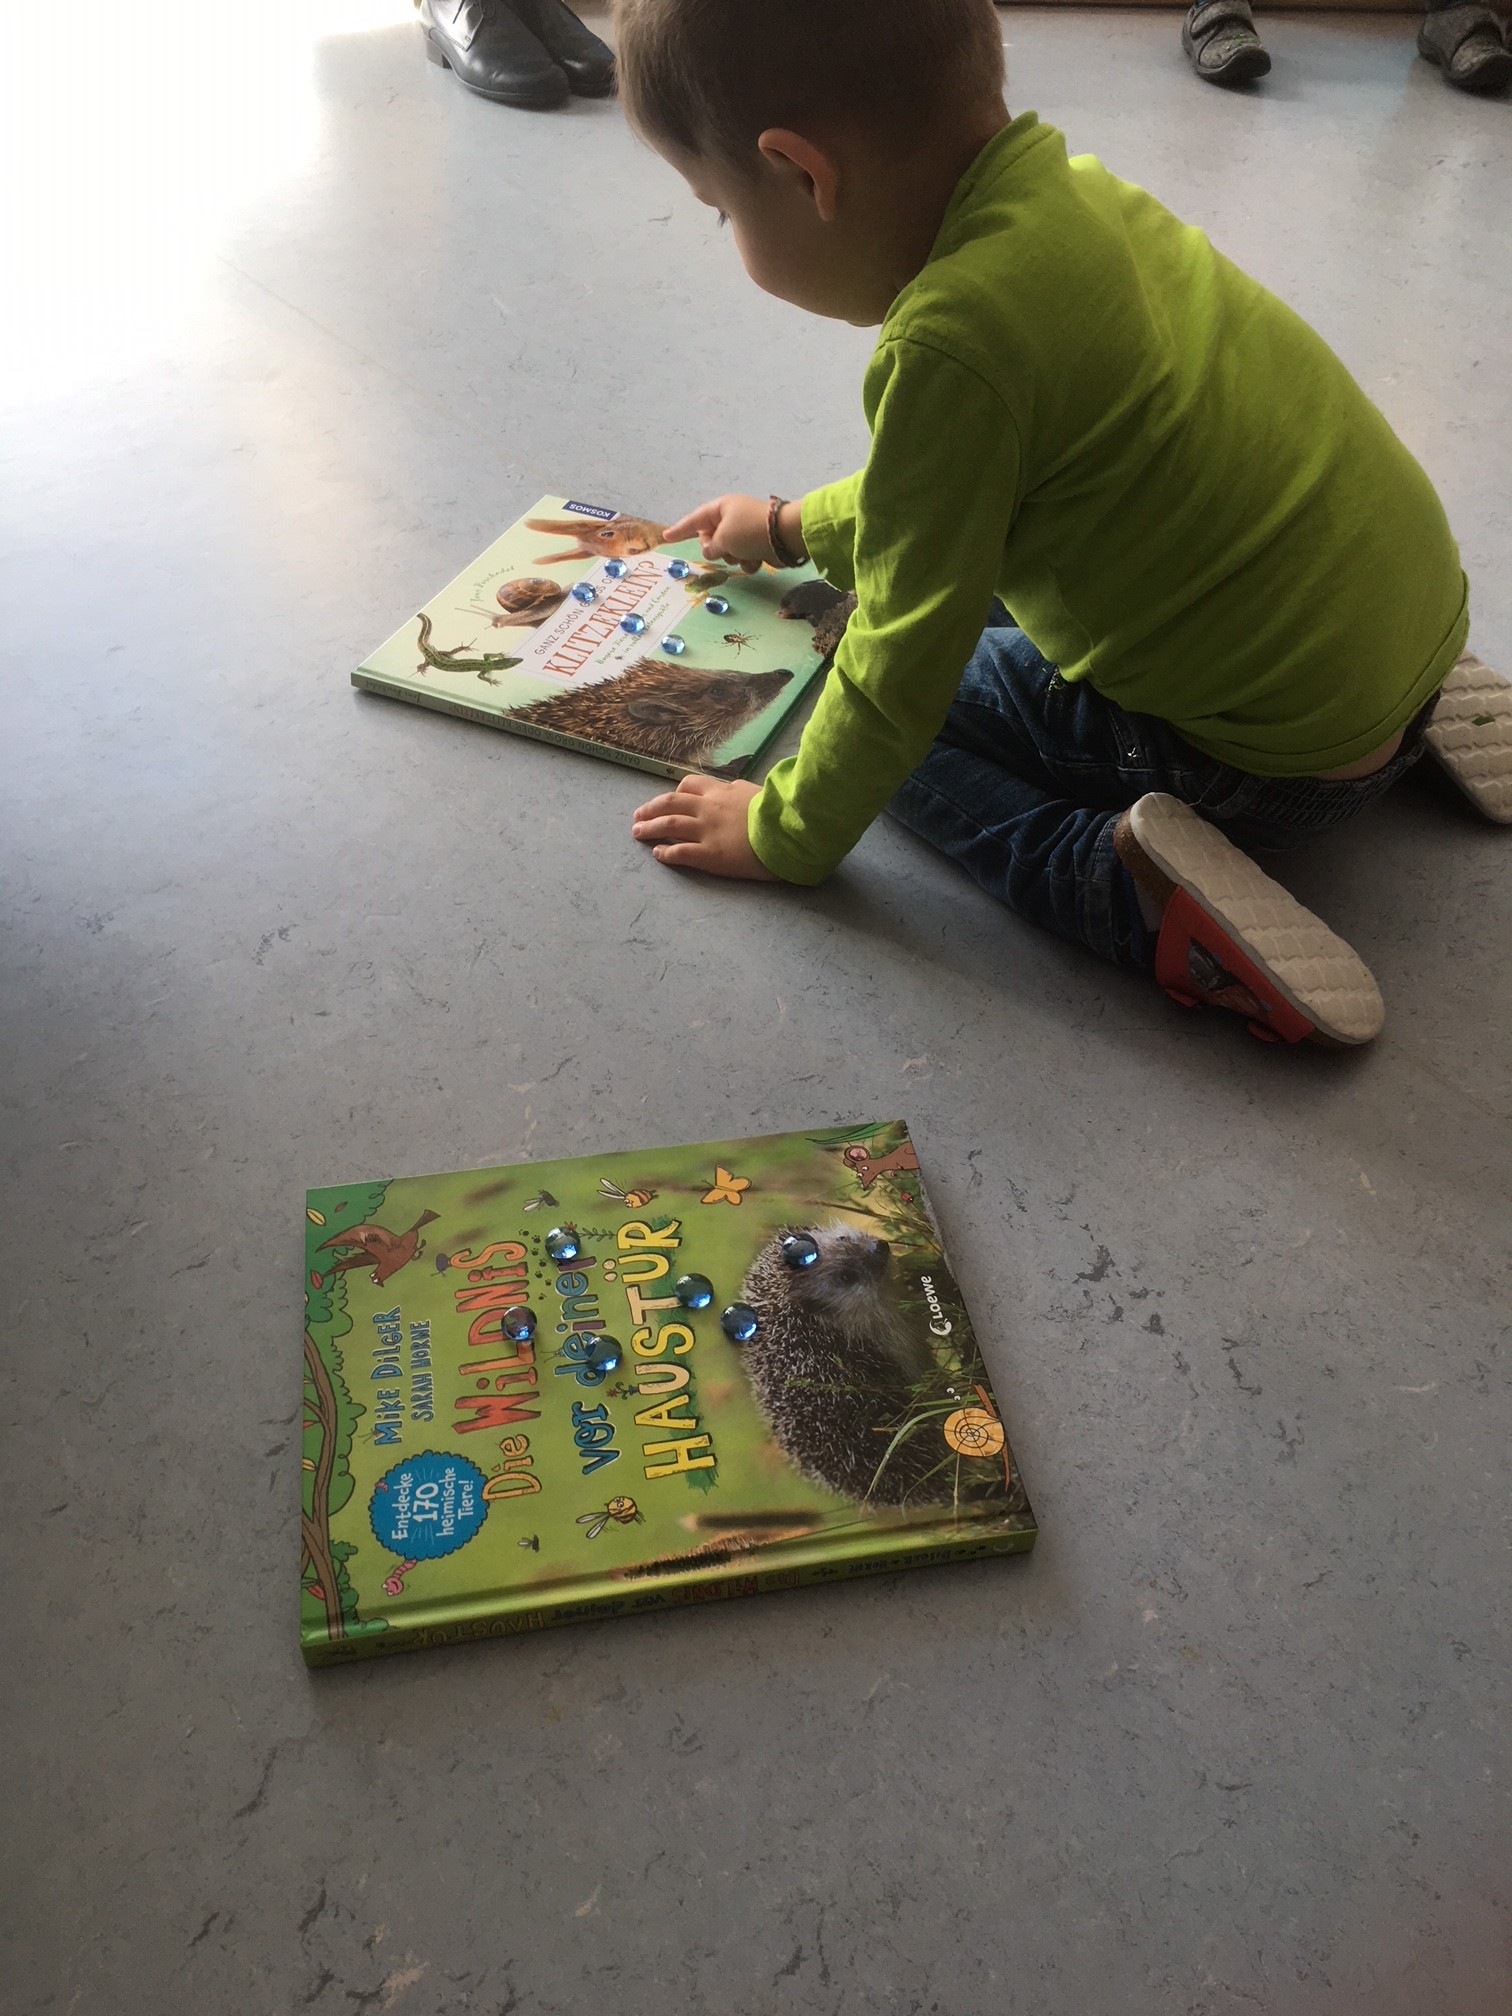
[
  {"x": 1219, "y": 37},
  {"x": 1469, "y": 46}
]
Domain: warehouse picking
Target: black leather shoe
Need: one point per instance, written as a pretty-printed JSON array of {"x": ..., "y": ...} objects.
[
  {"x": 492, "y": 51},
  {"x": 588, "y": 62}
]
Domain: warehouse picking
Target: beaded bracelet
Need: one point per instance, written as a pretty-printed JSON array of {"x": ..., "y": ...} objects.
[{"x": 781, "y": 552}]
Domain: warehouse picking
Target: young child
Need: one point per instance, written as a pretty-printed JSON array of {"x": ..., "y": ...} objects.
[{"x": 1238, "y": 611}]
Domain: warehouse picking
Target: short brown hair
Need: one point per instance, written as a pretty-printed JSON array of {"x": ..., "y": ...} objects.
[{"x": 706, "y": 77}]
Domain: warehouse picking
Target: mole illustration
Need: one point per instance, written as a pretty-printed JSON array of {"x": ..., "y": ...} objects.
[
  {"x": 828, "y": 608},
  {"x": 656, "y": 708},
  {"x": 389, "y": 1251},
  {"x": 614, "y": 538},
  {"x": 834, "y": 1368}
]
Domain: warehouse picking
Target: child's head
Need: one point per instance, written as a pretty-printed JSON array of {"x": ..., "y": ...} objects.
[{"x": 814, "y": 124}]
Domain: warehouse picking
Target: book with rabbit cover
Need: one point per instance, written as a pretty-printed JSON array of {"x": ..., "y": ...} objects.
[
  {"x": 581, "y": 626},
  {"x": 589, "y": 1388}
]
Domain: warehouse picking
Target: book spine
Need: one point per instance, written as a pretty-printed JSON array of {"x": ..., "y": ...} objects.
[
  {"x": 640, "y": 1597},
  {"x": 441, "y": 703}
]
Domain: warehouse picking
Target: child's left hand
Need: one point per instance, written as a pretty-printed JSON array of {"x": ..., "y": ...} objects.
[{"x": 702, "y": 824}]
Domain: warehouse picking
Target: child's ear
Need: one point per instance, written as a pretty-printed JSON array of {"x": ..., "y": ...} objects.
[{"x": 789, "y": 153}]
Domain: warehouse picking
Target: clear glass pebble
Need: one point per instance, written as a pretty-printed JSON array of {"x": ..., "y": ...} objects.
[
  {"x": 616, "y": 569},
  {"x": 633, "y": 623},
  {"x": 673, "y": 645},
  {"x": 519, "y": 1323},
  {"x": 562, "y": 1244},
  {"x": 717, "y": 605},
  {"x": 694, "y": 1291},
  {"x": 584, "y": 591},
  {"x": 679, "y": 569},
  {"x": 799, "y": 1249}
]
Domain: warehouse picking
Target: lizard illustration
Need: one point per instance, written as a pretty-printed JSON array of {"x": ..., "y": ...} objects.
[{"x": 455, "y": 661}]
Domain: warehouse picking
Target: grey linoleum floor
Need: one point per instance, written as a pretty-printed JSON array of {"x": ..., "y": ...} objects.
[{"x": 294, "y": 327}]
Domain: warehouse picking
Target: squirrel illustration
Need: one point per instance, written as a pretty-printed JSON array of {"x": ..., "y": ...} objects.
[
  {"x": 835, "y": 1368},
  {"x": 390, "y": 1250}
]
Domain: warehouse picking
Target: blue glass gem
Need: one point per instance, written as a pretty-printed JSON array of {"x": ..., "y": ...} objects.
[
  {"x": 589, "y": 1357},
  {"x": 739, "y": 1322},
  {"x": 604, "y": 1353},
  {"x": 633, "y": 623},
  {"x": 717, "y": 605},
  {"x": 616, "y": 569},
  {"x": 679, "y": 569},
  {"x": 584, "y": 591},
  {"x": 694, "y": 1291},
  {"x": 674, "y": 645},
  {"x": 518, "y": 1323},
  {"x": 562, "y": 1244},
  {"x": 799, "y": 1249}
]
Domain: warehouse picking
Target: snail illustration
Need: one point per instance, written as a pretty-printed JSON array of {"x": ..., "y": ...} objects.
[{"x": 526, "y": 600}]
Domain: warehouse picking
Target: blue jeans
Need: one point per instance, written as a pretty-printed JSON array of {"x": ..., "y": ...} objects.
[{"x": 1027, "y": 778}]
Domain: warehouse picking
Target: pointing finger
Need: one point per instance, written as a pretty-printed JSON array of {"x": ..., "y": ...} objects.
[{"x": 702, "y": 520}]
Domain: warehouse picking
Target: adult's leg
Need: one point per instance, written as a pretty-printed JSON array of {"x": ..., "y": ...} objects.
[
  {"x": 492, "y": 51},
  {"x": 1469, "y": 42},
  {"x": 1221, "y": 42}
]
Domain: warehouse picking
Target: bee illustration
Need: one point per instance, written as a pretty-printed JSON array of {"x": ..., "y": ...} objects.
[
  {"x": 623, "y": 1511},
  {"x": 632, "y": 1200},
  {"x": 738, "y": 638},
  {"x": 541, "y": 1197}
]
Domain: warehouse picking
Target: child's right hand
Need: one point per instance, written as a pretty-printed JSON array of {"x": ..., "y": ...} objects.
[{"x": 729, "y": 528}]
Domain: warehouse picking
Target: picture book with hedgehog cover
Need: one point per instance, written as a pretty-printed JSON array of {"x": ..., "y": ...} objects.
[
  {"x": 581, "y": 626},
  {"x": 589, "y": 1388}
]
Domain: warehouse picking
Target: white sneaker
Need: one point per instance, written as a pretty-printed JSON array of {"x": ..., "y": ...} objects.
[
  {"x": 1470, "y": 733},
  {"x": 1233, "y": 938}
]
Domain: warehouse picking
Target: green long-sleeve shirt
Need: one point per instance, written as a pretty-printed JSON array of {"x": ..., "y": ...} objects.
[{"x": 1171, "y": 480}]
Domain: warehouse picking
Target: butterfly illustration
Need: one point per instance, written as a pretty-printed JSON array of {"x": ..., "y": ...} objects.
[{"x": 726, "y": 1189}]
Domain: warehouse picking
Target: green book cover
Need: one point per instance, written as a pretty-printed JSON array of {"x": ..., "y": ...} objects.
[
  {"x": 593, "y": 1387},
  {"x": 532, "y": 637}
]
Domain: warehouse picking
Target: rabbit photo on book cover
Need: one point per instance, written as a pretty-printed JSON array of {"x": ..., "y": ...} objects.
[{"x": 617, "y": 538}]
